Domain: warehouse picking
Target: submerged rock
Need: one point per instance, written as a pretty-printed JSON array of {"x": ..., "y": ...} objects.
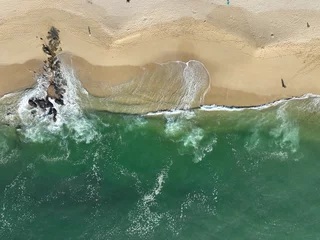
[
  {"x": 54, "y": 112},
  {"x": 46, "y": 49},
  {"x": 59, "y": 101}
]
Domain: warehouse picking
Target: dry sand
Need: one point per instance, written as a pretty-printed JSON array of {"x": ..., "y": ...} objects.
[{"x": 247, "y": 48}]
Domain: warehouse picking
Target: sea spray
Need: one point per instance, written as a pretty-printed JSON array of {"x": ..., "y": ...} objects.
[{"x": 38, "y": 126}]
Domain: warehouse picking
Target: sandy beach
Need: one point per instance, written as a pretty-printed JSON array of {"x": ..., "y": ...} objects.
[{"x": 247, "y": 47}]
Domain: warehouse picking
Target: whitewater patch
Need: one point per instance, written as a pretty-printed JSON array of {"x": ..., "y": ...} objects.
[
  {"x": 157, "y": 189},
  {"x": 134, "y": 122},
  {"x": 281, "y": 128},
  {"x": 312, "y": 105},
  {"x": 287, "y": 132},
  {"x": 39, "y": 127},
  {"x": 213, "y": 107},
  {"x": 193, "y": 139}
]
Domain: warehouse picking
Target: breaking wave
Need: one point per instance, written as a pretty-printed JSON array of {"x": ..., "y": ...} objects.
[{"x": 37, "y": 125}]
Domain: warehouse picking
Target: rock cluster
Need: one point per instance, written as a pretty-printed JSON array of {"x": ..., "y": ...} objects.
[
  {"x": 43, "y": 104},
  {"x": 52, "y": 72}
]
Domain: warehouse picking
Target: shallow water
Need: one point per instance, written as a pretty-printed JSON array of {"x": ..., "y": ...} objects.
[{"x": 210, "y": 173}]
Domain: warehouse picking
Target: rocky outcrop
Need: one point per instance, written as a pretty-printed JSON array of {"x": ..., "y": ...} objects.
[{"x": 52, "y": 72}]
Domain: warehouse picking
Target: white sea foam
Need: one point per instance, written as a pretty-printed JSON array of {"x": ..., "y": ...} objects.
[
  {"x": 194, "y": 142},
  {"x": 287, "y": 132},
  {"x": 135, "y": 122},
  {"x": 16, "y": 203},
  {"x": 157, "y": 189},
  {"x": 196, "y": 81},
  {"x": 261, "y": 107},
  {"x": 167, "y": 113},
  {"x": 314, "y": 103},
  {"x": 40, "y": 127},
  {"x": 8, "y": 95},
  {"x": 143, "y": 219},
  {"x": 201, "y": 201},
  {"x": 173, "y": 127},
  {"x": 5, "y": 152},
  {"x": 283, "y": 130},
  {"x": 55, "y": 156},
  {"x": 192, "y": 138}
]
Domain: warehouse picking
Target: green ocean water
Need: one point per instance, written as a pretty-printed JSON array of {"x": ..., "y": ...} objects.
[{"x": 250, "y": 174}]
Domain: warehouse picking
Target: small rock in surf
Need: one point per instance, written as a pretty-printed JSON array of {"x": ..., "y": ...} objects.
[{"x": 32, "y": 103}]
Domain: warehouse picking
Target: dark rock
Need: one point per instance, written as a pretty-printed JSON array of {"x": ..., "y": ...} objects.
[
  {"x": 41, "y": 103},
  {"x": 32, "y": 103},
  {"x": 46, "y": 49},
  {"x": 33, "y": 112},
  {"x": 45, "y": 68},
  {"x": 59, "y": 101},
  {"x": 52, "y": 73},
  {"x": 49, "y": 104},
  {"x": 53, "y": 34},
  {"x": 54, "y": 112}
]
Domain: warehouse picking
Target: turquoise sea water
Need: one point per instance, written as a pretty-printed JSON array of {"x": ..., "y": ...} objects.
[{"x": 219, "y": 174}]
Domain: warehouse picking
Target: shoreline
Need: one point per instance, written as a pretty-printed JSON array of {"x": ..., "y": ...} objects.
[
  {"x": 244, "y": 71},
  {"x": 203, "y": 107}
]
